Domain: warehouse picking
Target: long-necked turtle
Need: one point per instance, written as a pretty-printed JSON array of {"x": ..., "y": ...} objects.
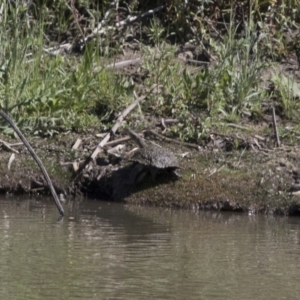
[{"x": 152, "y": 157}]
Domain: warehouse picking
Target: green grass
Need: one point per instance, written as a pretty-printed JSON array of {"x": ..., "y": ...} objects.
[{"x": 46, "y": 93}]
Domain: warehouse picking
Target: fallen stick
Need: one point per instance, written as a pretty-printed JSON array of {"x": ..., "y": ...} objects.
[
  {"x": 124, "y": 63},
  {"x": 113, "y": 130},
  {"x": 118, "y": 123},
  {"x": 275, "y": 126},
  {"x": 8, "y": 146},
  {"x": 119, "y": 65},
  {"x": 163, "y": 122},
  {"x": 120, "y": 24},
  {"x": 237, "y": 126},
  {"x": 99, "y": 30},
  {"x": 118, "y": 141},
  {"x": 172, "y": 140},
  {"x": 36, "y": 158}
]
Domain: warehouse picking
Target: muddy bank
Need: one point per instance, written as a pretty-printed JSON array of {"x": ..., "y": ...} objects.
[{"x": 238, "y": 180}]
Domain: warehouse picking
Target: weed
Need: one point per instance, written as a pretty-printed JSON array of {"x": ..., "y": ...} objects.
[
  {"x": 47, "y": 93},
  {"x": 288, "y": 91},
  {"x": 225, "y": 92}
]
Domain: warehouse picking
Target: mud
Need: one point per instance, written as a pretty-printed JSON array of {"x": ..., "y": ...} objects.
[{"x": 238, "y": 180}]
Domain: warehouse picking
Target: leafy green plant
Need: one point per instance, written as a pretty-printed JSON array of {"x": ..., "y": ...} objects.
[
  {"x": 225, "y": 92},
  {"x": 47, "y": 93},
  {"x": 288, "y": 91}
]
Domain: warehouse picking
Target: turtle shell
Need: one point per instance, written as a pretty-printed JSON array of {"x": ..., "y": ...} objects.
[{"x": 155, "y": 156}]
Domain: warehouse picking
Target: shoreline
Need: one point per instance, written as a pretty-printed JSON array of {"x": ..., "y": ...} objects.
[{"x": 239, "y": 180}]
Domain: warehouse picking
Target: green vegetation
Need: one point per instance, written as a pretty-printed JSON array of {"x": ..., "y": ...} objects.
[{"x": 46, "y": 92}]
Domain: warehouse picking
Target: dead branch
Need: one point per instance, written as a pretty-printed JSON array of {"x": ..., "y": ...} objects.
[
  {"x": 164, "y": 122},
  {"x": 118, "y": 141},
  {"x": 237, "y": 126},
  {"x": 275, "y": 126},
  {"x": 121, "y": 24},
  {"x": 119, "y": 65},
  {"x": 100, "y": 30},
  {"x": 37, "y": 159},
  {"x": 8, "y": 146},
  {"x": 113, "y": 130},
  {"x": 124, "y": 63},
  {"x": 250, "y": 140},
  {"x": 194, "y": 146},
  {"x": 10, "y": 161}
]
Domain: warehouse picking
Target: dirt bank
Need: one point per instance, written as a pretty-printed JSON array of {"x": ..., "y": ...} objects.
[{"x": 212, "y": 178}]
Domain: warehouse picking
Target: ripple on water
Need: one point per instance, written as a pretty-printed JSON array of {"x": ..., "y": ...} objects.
[{"x": 113, "y": 251}]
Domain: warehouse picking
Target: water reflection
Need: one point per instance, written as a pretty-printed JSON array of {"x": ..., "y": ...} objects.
[{"x": 110, "y": 251}]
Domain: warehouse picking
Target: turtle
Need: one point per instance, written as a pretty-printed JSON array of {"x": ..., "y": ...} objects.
[{"x": 151, "y": 157}]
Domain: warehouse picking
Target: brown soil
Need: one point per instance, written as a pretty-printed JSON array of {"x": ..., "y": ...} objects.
[{"x": 254, "y": 180}]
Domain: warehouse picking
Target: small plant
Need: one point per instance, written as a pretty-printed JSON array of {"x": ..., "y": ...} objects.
[
  {"x": 288, "y": 94},
  {"x": 47, "y": 92}
]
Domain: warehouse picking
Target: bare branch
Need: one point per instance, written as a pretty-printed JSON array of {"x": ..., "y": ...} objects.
[
  {"x": 37, "y": 159},
  {"x": 275, "y": 126},
  {"x": 113, "y": 130}
]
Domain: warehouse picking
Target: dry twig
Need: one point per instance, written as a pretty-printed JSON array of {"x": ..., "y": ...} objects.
[
  {"x": 8, "y": 146},
  {"x": 37, "y": 159},
  {"x": 113, "y": 130},
  {"x": 275, "y": 126},
  {"x": 100, "y": 30},
  {"x": 195, "y": 146}
]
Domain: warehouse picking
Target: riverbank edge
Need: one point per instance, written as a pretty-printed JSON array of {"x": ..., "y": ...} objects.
[{"x": 239, "y": 180}]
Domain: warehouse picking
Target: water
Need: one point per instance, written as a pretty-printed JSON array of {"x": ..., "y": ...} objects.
[{"x": 112, "y": 251}]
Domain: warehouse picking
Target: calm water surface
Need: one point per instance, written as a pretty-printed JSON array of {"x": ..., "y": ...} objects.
[{"x": 113, "y": 251}]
